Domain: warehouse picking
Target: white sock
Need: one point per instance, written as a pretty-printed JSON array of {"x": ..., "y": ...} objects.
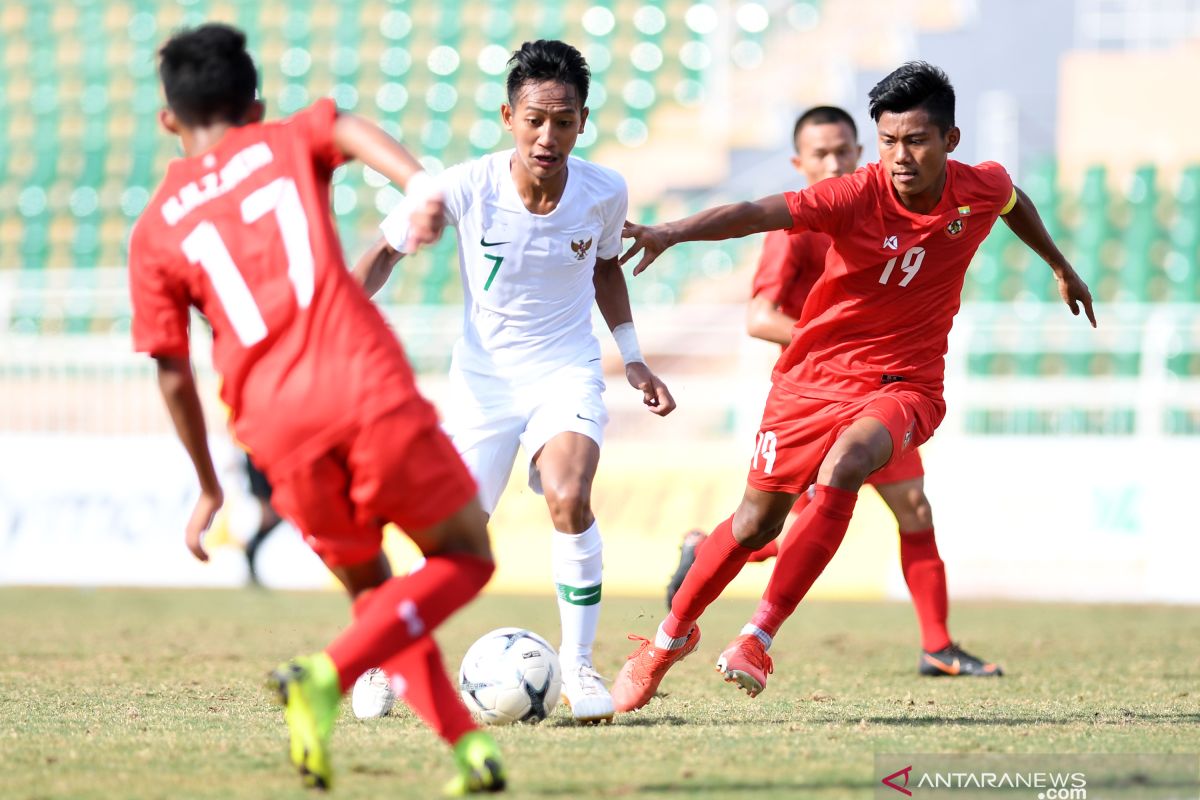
[
  {"x": 577, "y": 566},
  {"x": 762, "y": 635},
  {"x": 663, "y": 641}
]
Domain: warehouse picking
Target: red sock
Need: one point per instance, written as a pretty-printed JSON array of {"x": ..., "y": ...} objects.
[
  {"x": 813, "y": 539},
  {"x": 419, "y": 677},
  {"x": 403, "y": 609},
  {"x": 768, "y": 550},
  {"x": 718, "y": 562},
  {"x": 925, "y": 574}
]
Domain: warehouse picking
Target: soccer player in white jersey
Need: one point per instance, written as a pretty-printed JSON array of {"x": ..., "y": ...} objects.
[{"x": 539, "y": 233}]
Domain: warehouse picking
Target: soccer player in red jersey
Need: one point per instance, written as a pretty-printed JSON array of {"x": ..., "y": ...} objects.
[
  {"x": 826, "y": 142},
  {"x": 860, "y": 385},
  {"x": 318, "y": 386}
]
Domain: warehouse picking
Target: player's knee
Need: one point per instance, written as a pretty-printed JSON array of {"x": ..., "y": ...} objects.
[
  {"x": 848, "y": 468},
  {"x": 921, "y": 511},
  {"x": 570, "y": 506},
  {"x": 754, "y": 529},
  {"x": 463, "y": 532}
]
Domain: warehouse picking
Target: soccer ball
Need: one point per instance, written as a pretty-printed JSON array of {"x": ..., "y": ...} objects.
[
  {"x": 372, "y": 696},
  {"x": 510, "y": 675}
]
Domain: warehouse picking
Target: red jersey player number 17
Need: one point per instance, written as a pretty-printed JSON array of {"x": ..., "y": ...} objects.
[{"x": 243, "y": 233}]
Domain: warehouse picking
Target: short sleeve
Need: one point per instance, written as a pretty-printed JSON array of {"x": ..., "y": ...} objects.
[
  {"x": 316, "y": 124},
  {"x": 998, "y": 185},
  {"x": 394, "y": 226},
  {"x": 774, "y": 267},
  {"x": 160, "y": 304},
  {"x": 618, "y": 208},
  {"x": 827, "y": 207},
  {"x": 454, "y": 183}
]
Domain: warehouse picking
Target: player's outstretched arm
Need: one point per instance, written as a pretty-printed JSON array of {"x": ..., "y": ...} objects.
[
  {"x": 178, "y": 387},
  {"x": 375, "y": 266},
  {"x": 612, "y": 298},
  {"x": 731, "y": 221},
  {"x": 364, "y": 140},
  {"x": 1026, "y": 223}
]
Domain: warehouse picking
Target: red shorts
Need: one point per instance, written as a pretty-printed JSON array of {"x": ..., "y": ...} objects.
[
  {"x": 907, "y": 467},
  {"x": 797, "y": 433},
  {"x": 398, "y": 468}
]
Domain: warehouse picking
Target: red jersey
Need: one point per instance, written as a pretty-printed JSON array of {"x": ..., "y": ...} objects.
[
  {"x": 789, "y": 265},
  {"x": 882, "y": 309},
  {"x": 244, "y": 233}
]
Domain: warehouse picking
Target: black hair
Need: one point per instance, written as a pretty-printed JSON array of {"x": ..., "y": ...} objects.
[
  {"x": 823, "y": 115},
  {"x": 207, "y": 75},
  {"x": 548, "y": 60},
  {"x": 916, "y": 84}
]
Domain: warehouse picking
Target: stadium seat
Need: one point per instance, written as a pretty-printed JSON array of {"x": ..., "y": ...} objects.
[
  {"x": 80, "y": 150},
  {"x": 1141, "y": 235}
]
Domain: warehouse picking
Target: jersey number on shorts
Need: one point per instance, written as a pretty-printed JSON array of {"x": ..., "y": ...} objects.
[
  {"x": 910, "y": 266},
  {"x": 205, "y": 247},
  {"x": 765, "y": 447}
]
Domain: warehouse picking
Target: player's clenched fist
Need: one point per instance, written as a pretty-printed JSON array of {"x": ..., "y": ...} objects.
[
  {"x": 427, "y": 222},
  {"x": 655, "y": 393}
]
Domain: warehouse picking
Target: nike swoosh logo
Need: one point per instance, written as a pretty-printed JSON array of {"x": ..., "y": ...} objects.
[
  {"x": 485, "y": 243},
  {"x": 585, "y": 419},
  {"x": 950, "y": 669},
  {"x": 588, "y": 594}
]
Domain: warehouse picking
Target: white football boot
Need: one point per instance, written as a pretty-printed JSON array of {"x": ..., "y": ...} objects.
[
  {"x": 372, "y": 696},
  {"x": 584, "y": 692}
]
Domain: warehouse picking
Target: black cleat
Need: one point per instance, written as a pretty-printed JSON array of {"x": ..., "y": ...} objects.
[
  {"x": 687, "y": 556},
  {"x": 952, "y": 660}
]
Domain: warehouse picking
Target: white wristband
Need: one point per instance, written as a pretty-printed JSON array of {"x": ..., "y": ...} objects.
[
  {"x": 421, "y": 186},
  {"x": 627, "y": 342}
]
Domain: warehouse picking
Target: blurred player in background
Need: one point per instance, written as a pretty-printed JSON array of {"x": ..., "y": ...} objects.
[
  {"x": 319, "y": 388},
  {"x": 860, "y": 385},
  {"x": 826, "y": 142},
  {"x": 539, "y": 233},
  {"x": 268, "y": 517}
]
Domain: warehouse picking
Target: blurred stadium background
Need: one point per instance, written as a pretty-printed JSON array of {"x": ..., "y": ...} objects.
[{"x": 1066, "y": 466}]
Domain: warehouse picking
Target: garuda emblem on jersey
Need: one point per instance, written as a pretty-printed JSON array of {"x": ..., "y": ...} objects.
[
  {"x": 581, "y": 248},
  {"x": 954, "y": 228}
]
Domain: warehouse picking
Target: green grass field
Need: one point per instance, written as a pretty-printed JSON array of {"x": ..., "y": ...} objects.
[{"x": 158, "y": 694}]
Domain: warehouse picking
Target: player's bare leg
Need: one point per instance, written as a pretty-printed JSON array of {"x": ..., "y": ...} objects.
[
  {"x": 925, "y": 574},
  {"x": 567, "y": 466},
  {"x": 810, "y": 544},
  {"x": 759, "y": 519}
]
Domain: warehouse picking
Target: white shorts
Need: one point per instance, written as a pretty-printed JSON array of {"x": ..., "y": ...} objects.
[{"x": 488, "y": 417}]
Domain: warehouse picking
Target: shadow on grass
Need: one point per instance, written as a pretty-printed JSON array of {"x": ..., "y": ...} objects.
[
  {"x": 653, "y": 722},
  {"x": 1115, "y": 717}
]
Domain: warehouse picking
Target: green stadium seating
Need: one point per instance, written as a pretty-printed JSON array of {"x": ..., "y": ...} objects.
[{"x": 80, "y": 148}]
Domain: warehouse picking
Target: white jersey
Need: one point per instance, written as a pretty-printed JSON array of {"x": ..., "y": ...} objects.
[{"x": 527, "y": 278}]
